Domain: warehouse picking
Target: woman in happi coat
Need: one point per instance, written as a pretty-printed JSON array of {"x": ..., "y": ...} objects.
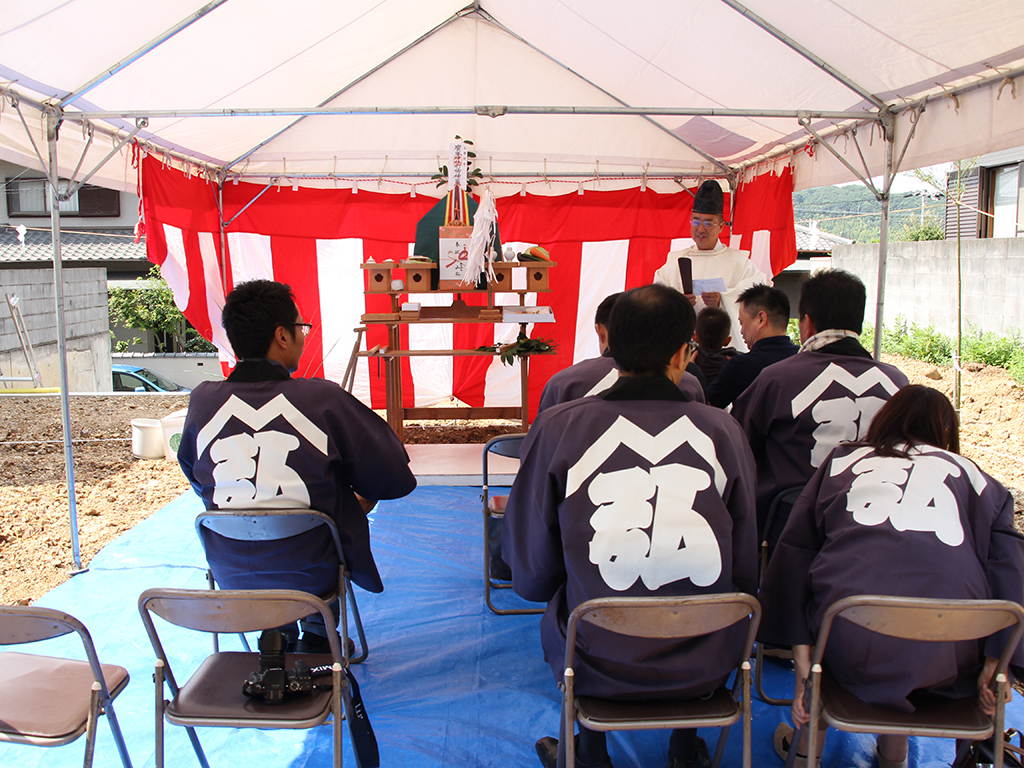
[{"x": 901, "y": 513}]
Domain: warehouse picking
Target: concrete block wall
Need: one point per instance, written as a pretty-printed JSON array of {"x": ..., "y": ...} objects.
[
  {"x": 87, "y": 327},
  {"x": 921, "y": 282}
]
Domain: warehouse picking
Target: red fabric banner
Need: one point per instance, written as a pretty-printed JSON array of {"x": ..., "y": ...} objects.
[{"x": 296, "y": 236}]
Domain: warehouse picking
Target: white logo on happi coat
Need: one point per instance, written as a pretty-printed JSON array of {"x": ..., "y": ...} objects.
[
  {"x": 645, "y": 526},
  {"x": 910, "y": 493},
  {"x": 251, "y": 470},
  {"x": 843, "y": 418},
  {"x": 609, "y": 378}
]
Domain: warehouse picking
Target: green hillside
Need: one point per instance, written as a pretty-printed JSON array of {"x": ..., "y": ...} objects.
[{"x": 851, "y": 211}]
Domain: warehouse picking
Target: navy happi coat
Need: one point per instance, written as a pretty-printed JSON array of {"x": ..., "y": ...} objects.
[
  {"x": 637, "y": 492},
  {"x": 932, "y": 525},
  {"x": 264, "y": 440},
  {"x": 595, "y": 375},
  {"x": 799, "y": 409}
]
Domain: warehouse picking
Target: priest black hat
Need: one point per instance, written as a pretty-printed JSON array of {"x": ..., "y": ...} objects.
[{"x": 709, "y": 198}]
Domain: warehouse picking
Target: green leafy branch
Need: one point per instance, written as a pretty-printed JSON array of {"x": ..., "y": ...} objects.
[
  {"x": 474, "y": 176},
  {"x": 521, "y": 347}
]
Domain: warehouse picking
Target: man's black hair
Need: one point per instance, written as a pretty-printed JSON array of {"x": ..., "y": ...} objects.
[
  {"x": 604, "y": 309},
  {"x": 253, "y": 311},
  {"x": 834, "y": 298},
  {"x": 773, "y": 302},
  {"x": 714, "y": 326},
  {"x": 647, "y": 327}
]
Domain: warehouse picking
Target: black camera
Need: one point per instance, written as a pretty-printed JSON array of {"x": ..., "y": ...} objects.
[{"x": 273, "y": 682}]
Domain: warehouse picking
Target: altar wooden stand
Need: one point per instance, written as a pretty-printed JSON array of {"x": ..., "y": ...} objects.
[{"x": 416, "y": 276}]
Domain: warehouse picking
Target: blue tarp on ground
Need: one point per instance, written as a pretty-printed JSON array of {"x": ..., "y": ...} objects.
[{"x": 447, "y": 683}]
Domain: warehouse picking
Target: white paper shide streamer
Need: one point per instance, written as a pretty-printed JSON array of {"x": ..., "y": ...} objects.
[{"x": 481, "y": 255}]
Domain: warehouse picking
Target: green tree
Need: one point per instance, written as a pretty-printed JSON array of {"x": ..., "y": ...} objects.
[
  {"x": 152, "y": 308},
  {"x": 929, "y": 229}
]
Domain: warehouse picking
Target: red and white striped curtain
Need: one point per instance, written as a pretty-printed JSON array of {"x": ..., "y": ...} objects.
[{"x": 316, "y": 239}]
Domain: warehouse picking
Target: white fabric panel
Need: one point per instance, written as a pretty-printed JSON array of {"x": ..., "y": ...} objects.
[
  {"x": 173, "y": 270},
  {"x": 679, "y": 244},
  {"x": 341, "y": 305},
  {"x": 433, "y": 376},
  {"x": 502, "y": 386},
  {"x": 602, "y": 273},
  {"x": 501, "y": 382},
  {"x": 251, "y": 258},
  {"x": 760, "y": 252},
  {"x": 214, "y": 295}
]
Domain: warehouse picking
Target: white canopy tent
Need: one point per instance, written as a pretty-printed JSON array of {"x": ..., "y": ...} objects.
[
  {"x": 377, "y": 88},
  {"x": 554, "y": 93}
]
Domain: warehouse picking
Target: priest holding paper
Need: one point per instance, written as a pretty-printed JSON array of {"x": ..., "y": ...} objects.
[{"x": 719, "y": 273}]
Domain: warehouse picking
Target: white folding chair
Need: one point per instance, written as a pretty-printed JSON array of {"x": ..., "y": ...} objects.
[
  {"x": 213, "y": 696},
  {"x": 248, "y": 525},
  {"x": 494, "y": 516},
  {"x": 926, "y": 620},
  {"x": 661, "y": 617},
  {"x": 47, "y": 701}
]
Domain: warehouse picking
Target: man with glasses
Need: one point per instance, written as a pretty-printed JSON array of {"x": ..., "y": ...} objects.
[
  {"x": 710, "y": 259},
  {"x": 262, "y": 439}
]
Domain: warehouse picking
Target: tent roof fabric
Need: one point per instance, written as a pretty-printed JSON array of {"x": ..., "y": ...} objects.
[{"x": 720, "y": 85}]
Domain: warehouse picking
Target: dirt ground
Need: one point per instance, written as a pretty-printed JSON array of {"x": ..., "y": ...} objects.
[{"x": 114, "y": 490}]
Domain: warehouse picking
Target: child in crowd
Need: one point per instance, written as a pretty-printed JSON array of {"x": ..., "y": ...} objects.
[{"x": 713, "y": 333}]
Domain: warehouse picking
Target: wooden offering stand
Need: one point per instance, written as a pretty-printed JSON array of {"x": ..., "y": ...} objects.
[{"x": 415, "y": 277}]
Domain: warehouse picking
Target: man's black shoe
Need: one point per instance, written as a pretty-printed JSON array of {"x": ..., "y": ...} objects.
[
  {"x": 312, "y": 643},
  {"x": 547, "y": 751},
  {"x": 702, "y": 760}
]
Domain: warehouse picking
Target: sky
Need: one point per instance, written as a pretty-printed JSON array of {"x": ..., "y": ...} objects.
[{"x": 907, "y": 182}]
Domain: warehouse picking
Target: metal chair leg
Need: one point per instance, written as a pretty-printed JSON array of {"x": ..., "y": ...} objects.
[
  {"x": 90, "y": 728},
  {"x": 758, "y": 682},
  {"x": 115, "y": 728}
]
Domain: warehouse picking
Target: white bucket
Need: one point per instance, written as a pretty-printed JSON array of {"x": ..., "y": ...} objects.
[
  {"x": 147, "y": 439},
  {"x": 172, "y": 426}
]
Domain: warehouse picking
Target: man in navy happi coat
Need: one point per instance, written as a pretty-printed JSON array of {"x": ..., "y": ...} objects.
[
  {"x": 636, "y": 491},
  {"x": 798, "y": 410},
  {"x": 590, "y": 377},
  {"x": 262, "y": 439}
]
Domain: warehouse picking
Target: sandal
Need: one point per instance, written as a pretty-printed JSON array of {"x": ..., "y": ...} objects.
[{"x": 783, "y": 741}]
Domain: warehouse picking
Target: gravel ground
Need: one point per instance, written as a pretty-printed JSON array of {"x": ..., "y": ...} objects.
[{"x": 114, "y": 490}]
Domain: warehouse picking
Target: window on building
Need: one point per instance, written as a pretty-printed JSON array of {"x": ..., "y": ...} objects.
[
  {"x": 1007, "y": 201},
  {"x": 30, "y": 197}
]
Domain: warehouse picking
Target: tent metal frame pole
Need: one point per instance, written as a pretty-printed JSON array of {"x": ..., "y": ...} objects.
[
  {"x": 74, "y": 186},
  {"x": 223, "y": 237},
  {"x": 883, "y": 237},
  {"x": 811, "y": 57},
  {"x": 823, "y": 142},
  {"x": 139, "y": 53},
  {"x": 646, "y": 116},
  {"x": 52, "y": 125},
  {"x": 329, "y": 99},
  {"x": 481, "y": 110}
]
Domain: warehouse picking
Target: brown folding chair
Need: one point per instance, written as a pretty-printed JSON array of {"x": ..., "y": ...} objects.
[
  {"x": 213, "y": 695},
  {"x": 921, "y": 619},
  {"x": 783, "y": 501},
  {"x": 494, "y": 516},
  {"x": 245, "y": 525},
  {"x": 47, "y": 701},
  {"x": 661, "y": 617}
]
